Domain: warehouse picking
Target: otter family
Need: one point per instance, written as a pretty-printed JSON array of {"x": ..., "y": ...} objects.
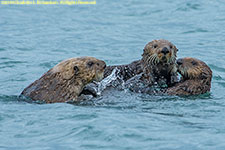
[{"x": 159, "y": 66}]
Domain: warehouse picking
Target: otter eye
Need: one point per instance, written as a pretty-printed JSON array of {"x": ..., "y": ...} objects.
[
  {"x": 98, "y": 64},
  {"x": 177, "y": 50},
  {"x": 194, "y": 63},
  {"x": 90, "y": 63},
  {"x": 155, "y": 46},
  {"x": 171, "y": 46},
  {"x": 76, "y": 69}
]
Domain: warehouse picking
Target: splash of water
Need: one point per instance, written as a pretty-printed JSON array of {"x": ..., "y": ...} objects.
[{"x": 113, "y": 79}]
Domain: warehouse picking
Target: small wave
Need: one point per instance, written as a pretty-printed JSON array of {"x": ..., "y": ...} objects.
[
  {"x": 24, "y": 48},
  {"x": 195, "y": 31},
  {"x": 9, "y": 98},
  {"x": 189, "y": 6},
  {"x": 221, "y": 83},
  {"x": 5, "y": 58},
  {"x": 12, "y": 62},
  {"x": 2, "y": 49},
  {"x": 217, "y": 77},
  {"x": 214, "y": 67},
  {"x": 48, "y": 65}
]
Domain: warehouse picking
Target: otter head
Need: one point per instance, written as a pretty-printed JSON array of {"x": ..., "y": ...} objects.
[
  {"x": 65, "y": 81},
  {"x": 159, "y": 52},
  {"x": 86, "y": 69},
  {"x": 191, "y": 68},
  {"x": 196, "y": 77}
]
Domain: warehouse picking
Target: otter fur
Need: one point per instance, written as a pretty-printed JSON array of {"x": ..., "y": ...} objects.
[
  {"x": 196, "y": 78},
  {"x": 157, "y": 66},
  {"x": 65, "y": 81}
]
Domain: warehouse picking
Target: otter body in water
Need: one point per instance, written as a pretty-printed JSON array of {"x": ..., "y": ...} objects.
[
  {"x": 65, "y": 81},
  {"x": 196, "y": 78},
  {"x": 157, "y": 66},
  {"x": 158, "y": 63}
]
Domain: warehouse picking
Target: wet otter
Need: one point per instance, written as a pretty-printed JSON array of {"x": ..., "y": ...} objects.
[
  {"x": 196, "y": 77},
  {"x": 157, "y": 66},
  {"x": 158, "y": 62},
  {"x": 65, "y": 81}
]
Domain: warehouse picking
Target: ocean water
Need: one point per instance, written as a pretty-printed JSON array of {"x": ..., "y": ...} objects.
[{"x": 33, "y": 38}]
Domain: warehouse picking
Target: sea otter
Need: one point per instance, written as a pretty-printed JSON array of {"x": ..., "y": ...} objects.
[
  {"x": 65, "y": 81},
  {"x": 196, "y": 78},
  {"x": 158, "y": 62},
  {"x": 157, "y": 66}
]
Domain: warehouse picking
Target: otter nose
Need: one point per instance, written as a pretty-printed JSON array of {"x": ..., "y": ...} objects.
[
  {"x": 179, "y": 61},
  {"x": 165, "y": 51}
]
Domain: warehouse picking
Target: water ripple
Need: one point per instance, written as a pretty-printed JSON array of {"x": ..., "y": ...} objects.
[
  {"x": 217, "y": 68},
  {"x": 195, "y": 31},
  {"x": 189, "y": 6},
  {"x": 35, "y": 38}
]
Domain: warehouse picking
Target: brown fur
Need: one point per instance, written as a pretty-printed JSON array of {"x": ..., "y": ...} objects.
[
  {"x": 157, "y": 66},
  {"x": 65, "y": 81},
  {"x": 154, "y": 66},
  {"x": 196, "y": 77}
]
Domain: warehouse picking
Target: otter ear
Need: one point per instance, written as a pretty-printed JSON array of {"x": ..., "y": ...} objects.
[
  {"x": 194, "y": 63},
  {"x": 90, "y": 63},
  {"x": 76, "y": 70},
  {"x": 144, "y": 52}
]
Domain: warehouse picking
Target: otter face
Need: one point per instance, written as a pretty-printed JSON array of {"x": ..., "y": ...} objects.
[
  {"x": 191, "y": 68},
  {"x": 85, "y": 68},
  {"x": 160, "y": 51},
  {"x": 98, "y": 69}
]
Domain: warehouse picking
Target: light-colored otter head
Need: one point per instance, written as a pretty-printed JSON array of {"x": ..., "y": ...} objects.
[
  {"x": 159, "y": 52},
  {"x": 192, "y": 68},
  {"x": 88, "y": 69},
  {"x": 65, "y": 81}
]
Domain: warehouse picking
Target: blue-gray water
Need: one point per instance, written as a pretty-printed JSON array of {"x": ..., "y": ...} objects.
[{"x": 35, "y": 38}]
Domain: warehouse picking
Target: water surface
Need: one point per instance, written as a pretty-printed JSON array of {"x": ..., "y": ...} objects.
[{"x": 35, "y": 38}]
